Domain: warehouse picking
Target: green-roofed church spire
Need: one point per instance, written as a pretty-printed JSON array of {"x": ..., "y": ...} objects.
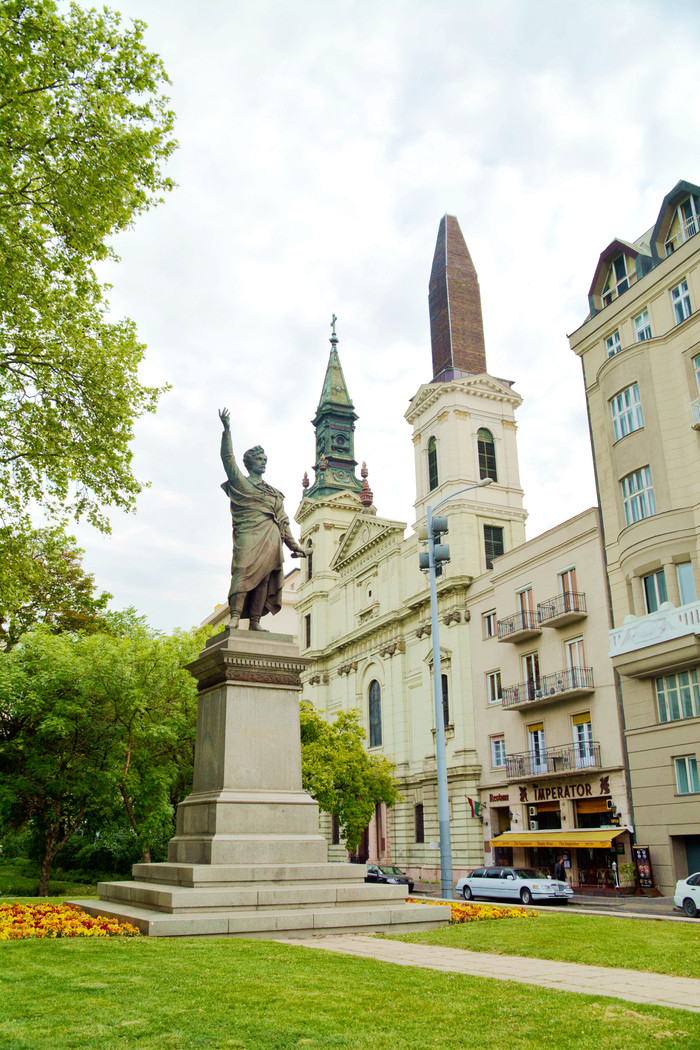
[{"x": 334, "y": 424}]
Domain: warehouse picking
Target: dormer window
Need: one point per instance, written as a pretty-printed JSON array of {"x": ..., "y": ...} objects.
[
  {"x": 685, "y": 224},
  {"x": 618, "y": 280}
]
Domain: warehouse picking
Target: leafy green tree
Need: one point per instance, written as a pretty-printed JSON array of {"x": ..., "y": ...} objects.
[
  {"x": 84, "y": 133},
  {"x": 42, "y": 581},
  {"x": 91, "y": 723},
  {"x": 340, "y": 775}
]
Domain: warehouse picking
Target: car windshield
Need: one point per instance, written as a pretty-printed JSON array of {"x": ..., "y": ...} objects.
[
  {"x": 389, "y": 869},
  {"x": 530, "y": 873}
]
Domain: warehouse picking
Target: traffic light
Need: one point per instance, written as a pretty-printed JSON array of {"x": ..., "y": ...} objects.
[{"x": 441, "y": 551}]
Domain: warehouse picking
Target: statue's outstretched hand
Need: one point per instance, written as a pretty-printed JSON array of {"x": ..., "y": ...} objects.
[
  {"x": 225, "y": 417},
  {"x": 299, "y": 553}
]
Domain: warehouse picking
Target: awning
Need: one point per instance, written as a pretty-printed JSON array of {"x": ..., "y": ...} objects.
[{"x": 594, "y": 838}]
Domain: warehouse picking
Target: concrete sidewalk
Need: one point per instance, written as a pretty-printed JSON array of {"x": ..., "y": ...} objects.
[{"x": 680, "y": 993}]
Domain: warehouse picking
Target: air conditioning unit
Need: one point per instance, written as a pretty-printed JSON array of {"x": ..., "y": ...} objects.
[
  {"x": 532, "y": 811},
  {"x": 609, "y": 803},
  {"x": 533, "y": 825}
]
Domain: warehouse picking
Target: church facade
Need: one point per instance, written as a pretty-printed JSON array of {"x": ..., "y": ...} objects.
[{"x": 511, "y": 687}]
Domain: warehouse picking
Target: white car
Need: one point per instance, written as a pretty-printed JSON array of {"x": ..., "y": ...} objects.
[
  {"x": 513, "y": 884},
  {"x": 687, "y": 895}
]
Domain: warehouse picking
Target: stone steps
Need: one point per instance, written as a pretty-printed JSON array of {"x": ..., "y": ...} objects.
[{"x": 380, "y": 917}]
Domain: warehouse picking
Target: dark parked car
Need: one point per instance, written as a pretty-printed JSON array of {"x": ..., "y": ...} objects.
[{"x": 388, "y": 873}]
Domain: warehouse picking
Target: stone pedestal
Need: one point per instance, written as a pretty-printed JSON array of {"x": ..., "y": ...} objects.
[{"x": 247, "y": 858}]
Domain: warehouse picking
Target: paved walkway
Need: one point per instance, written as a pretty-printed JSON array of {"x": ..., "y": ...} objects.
[{"x": 681, "y": 993}]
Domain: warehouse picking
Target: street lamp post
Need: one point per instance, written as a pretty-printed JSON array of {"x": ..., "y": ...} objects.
[{"x": 441, "y": 552}]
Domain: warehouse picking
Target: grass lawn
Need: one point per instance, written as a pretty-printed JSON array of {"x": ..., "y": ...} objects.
[
  {"x": 155, "y": 994},
  {"x": 599, "y": 940}
]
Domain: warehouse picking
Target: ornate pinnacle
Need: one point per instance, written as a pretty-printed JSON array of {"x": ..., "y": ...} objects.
[
  {"x": 305, "y": 481},
  {"x": 364, "y": 472}
]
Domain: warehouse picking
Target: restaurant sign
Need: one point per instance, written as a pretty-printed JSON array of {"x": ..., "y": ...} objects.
[{"x": 582, "y": 789}]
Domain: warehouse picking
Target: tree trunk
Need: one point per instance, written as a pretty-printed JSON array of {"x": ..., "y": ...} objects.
[
  {"x": 46, "y": 865},
  {"x": 146, "y": 855}
]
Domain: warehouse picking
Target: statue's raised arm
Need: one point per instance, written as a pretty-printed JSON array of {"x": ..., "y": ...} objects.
[{"x": 260, "y": 527}]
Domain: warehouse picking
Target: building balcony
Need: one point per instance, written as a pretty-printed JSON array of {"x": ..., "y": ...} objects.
[
  {"x": 519, "y": 627},
  {"x": 562, "y": 610},
  {"x": 550, "y": 688},
  {"x": 695, "y": 414},
  {"x": 658, "y": 643},
  {"x": 553, "y": 761},
  {"x": 687, "y": 229}
]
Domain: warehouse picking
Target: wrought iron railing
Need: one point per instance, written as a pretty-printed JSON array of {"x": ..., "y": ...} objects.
[
  {"x": 548, "y": 685},
  {"x": 687, "y": 229},
  {"x": 522, "y": 621},
  {"x": 551, "y": 761},
  {"x": 569, "y": 602}
]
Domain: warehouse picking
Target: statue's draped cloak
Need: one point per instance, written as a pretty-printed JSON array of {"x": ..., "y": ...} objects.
[{"x": 259, "y": 521}]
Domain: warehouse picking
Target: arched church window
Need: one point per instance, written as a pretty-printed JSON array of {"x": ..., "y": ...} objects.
[
  {"x": 487, "y": 454},
  {"x": 375, "y": 714},
  {"x": 432, "y": 464}
]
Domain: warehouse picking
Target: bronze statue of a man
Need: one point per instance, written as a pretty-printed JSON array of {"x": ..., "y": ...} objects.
[{"x": 260, "y": 527}]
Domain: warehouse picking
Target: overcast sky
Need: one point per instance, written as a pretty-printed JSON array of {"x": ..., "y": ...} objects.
[{"x": 320, "y": 144}]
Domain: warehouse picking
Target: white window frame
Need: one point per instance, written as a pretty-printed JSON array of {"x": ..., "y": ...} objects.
[
  {"x": 583, "y": 743},
  {"x": 638, "y": 495},
  {"x": 494, "y": 687},
  {"x": 688, "y": 783},
  {"x": 489, "y": 621},
  {"x": 575, "y": 653},
  {"x": 613, "y": 344},
  {"x": 498, "y": 752},
  {"x": 655, "y": 590},
  {"x": 626, "y": 411},
  {"x": 642, "y": 326},
  {"x": 696, "y": 366},
  {"x": 680, "y": 298},
  {"x": 678, "y": 696}
]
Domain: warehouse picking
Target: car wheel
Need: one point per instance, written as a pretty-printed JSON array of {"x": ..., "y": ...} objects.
[
  {"x": 525, "y": 895},
  {"x": 467, "y": 893},
  {"x": 690, "y": 908}
]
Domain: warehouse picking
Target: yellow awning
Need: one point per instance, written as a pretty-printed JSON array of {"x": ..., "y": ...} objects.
[{"x": 595, "y": 838}]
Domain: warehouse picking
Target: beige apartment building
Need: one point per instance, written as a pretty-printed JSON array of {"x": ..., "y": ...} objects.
[
  {"x": 549, "y": 738},
  {"x": 640, "y": 353}
]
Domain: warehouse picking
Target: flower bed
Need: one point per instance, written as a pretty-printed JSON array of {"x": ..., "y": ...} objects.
[
  {"x": 471, "y": 912},
  {"x": 21, "y": 921}
]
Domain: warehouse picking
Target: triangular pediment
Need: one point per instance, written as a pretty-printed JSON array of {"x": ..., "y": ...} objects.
[
  {"x": 482, "y": 386},
  {"x": 344, "y": 501},
  {"x": 365, "y": 532}
]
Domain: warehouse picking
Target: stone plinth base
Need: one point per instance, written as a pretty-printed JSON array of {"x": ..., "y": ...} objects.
[{"x": 247, "y": 859}]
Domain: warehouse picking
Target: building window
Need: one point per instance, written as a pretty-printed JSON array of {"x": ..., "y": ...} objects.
[
  {"x": 617, "y": 282},
  {"x": 489, "y": 622},
  {"x": 494, "y": 690},
  {"x": 638, "y": 496},
  {"x": 567, "y": 589},
  {"x": 493, "y": 543},
  {"x": 688, "y": 226},
  {"x": 309, "y": 560},
  {"x": 575, "y": 653},
  {"x": 307, "y": 631},
  {"x": 531, "y": 674},
  {"x": 686, "y": 583},
  {"x": 642, "y": 328},
  {"x": 526, "y": 606},
  {"x": 487, "y": 454},
  {"x": 498, "y": 752},
  {"x": 680, "y": 297},
  {"x": 432, "y": 464},
  {"x": 626, "y": 410},
  {"x": 613, "y": 345},
  {"x": 696, "y": 366},
  {"x": 445, "y": 701},
  {"x": 420, "y": 826},
  {"x": 375, "y": 714},
  {"x": 655, "y": 592},
  {"x": 536, "y": 747},
  {"x": 583, "y": 740},
  {"x": 687, "y": 782},
  {"x": 678, "y": 696}
]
